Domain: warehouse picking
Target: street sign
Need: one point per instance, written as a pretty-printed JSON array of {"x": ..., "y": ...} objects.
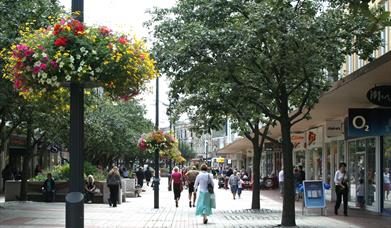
[{"x": 314, "y": 194}]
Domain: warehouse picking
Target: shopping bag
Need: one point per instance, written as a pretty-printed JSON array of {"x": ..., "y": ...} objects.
[{"x": 212, "y": 200}]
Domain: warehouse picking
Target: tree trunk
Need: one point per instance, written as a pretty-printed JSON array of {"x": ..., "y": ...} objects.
[
  {"x": 288, "y": 210},
  {"x": 27, "y": 155},
  {"x": 255, "y": 204}
]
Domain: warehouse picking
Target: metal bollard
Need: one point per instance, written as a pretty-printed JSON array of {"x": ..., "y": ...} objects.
[{"x": 74, "y": 210}]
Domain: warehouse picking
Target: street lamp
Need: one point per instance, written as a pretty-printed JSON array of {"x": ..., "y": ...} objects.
[
  {"x": 75, "y": 199},
  {"x": 156, "y": 180}
]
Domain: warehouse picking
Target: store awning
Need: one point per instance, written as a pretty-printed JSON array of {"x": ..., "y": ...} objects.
[
  {"x": 239, "y": 145},
  {"x": 349, "y": 92}
]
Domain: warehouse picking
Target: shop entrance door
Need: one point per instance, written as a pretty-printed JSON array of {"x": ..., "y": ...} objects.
[
  {"x": 362, "y": 171},
  {"x": 386, "y": 175}
]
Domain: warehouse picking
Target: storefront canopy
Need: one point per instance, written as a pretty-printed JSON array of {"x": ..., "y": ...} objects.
[
  {"x": 239, "y": 145},
  {"x": 349, "y": 92}
]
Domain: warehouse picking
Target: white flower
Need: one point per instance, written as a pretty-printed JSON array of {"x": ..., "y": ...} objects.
[
  {"x": 49, "y": 81},
  {"x": 57, "y": 84},
  {"x": 78, "y": 56},
  {"x": 94, "y": 52},
  {"x": 54, "y": 78},
  {"x": 44, "y": 90},
  {"x": 82, "y": 63},
  {"x": 44, "y": 75},
  {"x": 68, "y": 78},
  {"x": 44, "y": 55},
  {"x": 92, "y": 72},
  {"x": 79, "y": 69},
  {"x": 71, "y": 59},
  {"x": 61, "y": 65},
  {"x": 82, "y": 49},
  {"x": 35, "y": 55},
  {"x": 98, "y": 70},
  {"x": 38, "y": 63}
]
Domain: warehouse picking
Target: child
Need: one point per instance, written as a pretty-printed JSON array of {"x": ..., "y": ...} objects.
[
  {"x": 240, "y": 186},
  {"x": 360, "y": 194}
]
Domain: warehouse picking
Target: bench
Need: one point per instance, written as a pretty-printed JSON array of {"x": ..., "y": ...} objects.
[
  {"x": 130, "y": 188},
  {"x": 34, "y": 191}
]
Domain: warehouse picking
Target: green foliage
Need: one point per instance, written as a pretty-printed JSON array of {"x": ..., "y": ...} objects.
[{"x": 62, "y": 172}]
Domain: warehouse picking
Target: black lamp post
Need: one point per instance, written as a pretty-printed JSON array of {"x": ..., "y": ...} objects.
[
  {"x": 75, "y": 199},
  {"x": 156, "y": 180}
]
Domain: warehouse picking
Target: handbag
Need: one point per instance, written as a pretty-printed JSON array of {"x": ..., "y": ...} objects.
[{"x": 210, "y": 186}]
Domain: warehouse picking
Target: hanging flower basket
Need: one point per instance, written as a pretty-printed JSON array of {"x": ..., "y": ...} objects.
[
  {"x": 157, "y": 140},
  {"x": 71, "y": 52}
]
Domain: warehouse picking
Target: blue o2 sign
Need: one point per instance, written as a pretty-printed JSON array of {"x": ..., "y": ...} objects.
[
  {"x": 380, "y": 95},
  {"x": 369, "y": 122}
]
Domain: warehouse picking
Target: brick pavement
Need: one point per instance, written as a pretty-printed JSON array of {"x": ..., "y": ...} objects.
[{"x": 139, "y": 212}]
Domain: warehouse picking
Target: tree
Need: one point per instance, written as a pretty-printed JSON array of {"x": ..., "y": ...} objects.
[
  {"x": 113, "y": 129},
  {"x": 15, "y": 16},
  {"x": 279, "y": 53}
]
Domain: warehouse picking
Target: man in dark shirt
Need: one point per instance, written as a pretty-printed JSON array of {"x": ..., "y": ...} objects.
[
  {"x": 49, "y": 188},
  {"x": 140, "y": 177}
]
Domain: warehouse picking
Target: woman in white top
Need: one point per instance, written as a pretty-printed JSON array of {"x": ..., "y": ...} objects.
[
  {"x": 204, "y": 201},
  {"x": 387, "y": 182},
  {"x": 341, "y": 188}
]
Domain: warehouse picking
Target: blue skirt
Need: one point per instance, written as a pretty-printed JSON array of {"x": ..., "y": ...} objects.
[{"x": 204, "y": 204}]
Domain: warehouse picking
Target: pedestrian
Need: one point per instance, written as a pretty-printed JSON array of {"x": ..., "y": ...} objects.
[
  {"x": 360, "y": 192},
  {"x": 341, "y": 188},
  {"x": 49, "y": 189},
  {"x": 233, "y": 183},
  {"x": 90, "y": 188},
  {"x": 206, "y": 200},
  {"x": 140, "y": 177},
  {"x": 387, "y": 182},
  {"x": 240, "y": 186},
  {"x": 176, "y": 177},
  {"x": 281, "y": 181},
  {"x": 191, "y": 177},
  {"x": 148, "y": 175},
  {"x": 296, "y": 177},
  {"x": 114, "y": 184}
]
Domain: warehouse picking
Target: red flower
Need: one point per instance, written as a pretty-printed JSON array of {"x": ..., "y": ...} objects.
[
  {"x": 43, "y": 66},
  {"x": 104, "y": 30},
  {"x": 61, "y": 41},
  {"x": 36, "y": 69},
  {"x": 78, "y": 27},
  {"x": 57, "y": 29},
  {"x": 123, "y": 40}
]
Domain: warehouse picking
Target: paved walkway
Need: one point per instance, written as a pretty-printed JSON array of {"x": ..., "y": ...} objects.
[{"x": 139, "y": 212}]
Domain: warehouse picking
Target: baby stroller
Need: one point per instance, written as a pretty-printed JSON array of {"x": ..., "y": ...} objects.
[{"x": 221, "y": 181}]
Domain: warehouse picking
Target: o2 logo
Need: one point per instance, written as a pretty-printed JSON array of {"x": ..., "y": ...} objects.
[{"x": 360, "y": 123}]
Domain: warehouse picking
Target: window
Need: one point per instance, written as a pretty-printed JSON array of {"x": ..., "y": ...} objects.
[{"x": 350, "y": 64}]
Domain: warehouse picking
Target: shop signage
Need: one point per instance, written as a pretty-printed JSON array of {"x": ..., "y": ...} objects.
[
  {"x": 314, "y": 138},
  {"x": 333, "y": 128},
  {"x": 368, "y": 122},
  {"x": 220, "y": 160},
  {"x": 380, "y": 95},
  {"x": 314, "y": 194},
  {"x": 298, "y": 141}
]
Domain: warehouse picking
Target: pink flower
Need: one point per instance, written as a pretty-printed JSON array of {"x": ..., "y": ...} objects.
[
  {"x": 54, "y": 64},
  {"x": 17, "y": 83},
  {"x": 21, "y": 47},
  {"x": 40, "y": 47},
  {"x": 123, "y": 40},
  {"x": 36, "y": 69},
  {"x": 42, "y": 66},
  {"x": 28, "y": 52},
  {"x": 142, "y": 56}
]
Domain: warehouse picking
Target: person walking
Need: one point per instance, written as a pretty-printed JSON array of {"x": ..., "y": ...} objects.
[
  {"x": 233, "y": 183},
  {"x": 148, "y": 175},
  {"x": 240, "y": 186},
  {"x": 341, "y": 189},
  {"x": 191, "y": 177},
  {"x": 281, "y": 181},
  {"x": 140, "y": 177},
  {"x": 114, "y": 184},
  {"x": 90, "y": 188},
  {"x": 176, "y": 177},
  {"x": 205, "y": 200},
  {"x": 387, "y": 182}
]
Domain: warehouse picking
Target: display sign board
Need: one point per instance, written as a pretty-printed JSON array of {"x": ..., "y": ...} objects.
[
  {"x": 314, "y": 194},
  {"x": 315, "y": 138},
  {"x": 380, "y": 95},
  {"x": 333, "y": 128},
  {"x": 298, "y": 141},
  {"x": 220, "y": 160},
  {"x": 369, "y": 122}
]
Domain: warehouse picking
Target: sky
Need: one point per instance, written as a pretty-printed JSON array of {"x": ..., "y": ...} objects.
[{"x": 128, "y": 16}]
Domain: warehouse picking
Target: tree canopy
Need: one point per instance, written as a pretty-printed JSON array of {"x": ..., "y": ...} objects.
[{"x": 271, "y": 58}]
